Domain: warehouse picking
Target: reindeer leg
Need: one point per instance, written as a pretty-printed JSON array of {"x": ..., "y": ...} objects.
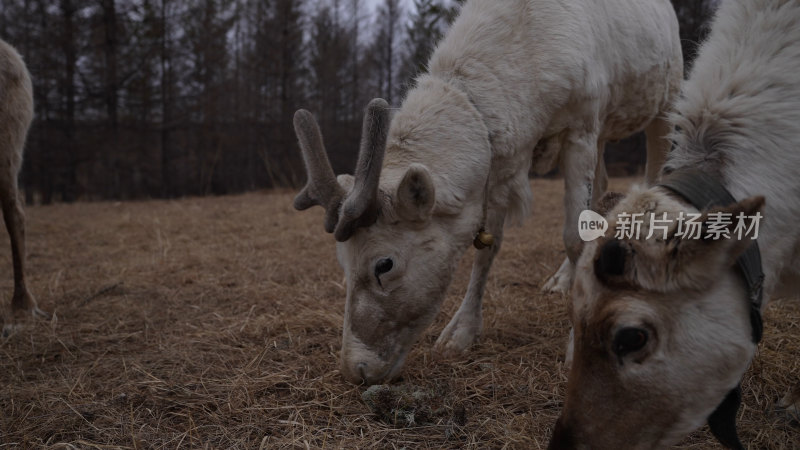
[
  {"x": 600, "y": 175},
  {"x": 560, "y": 281},
  {"x": 465, "y": 327},
  {"x": 576, "y": 167},
  {"x": 14, "y": 218},
  {"x": 657, "y": 149}
]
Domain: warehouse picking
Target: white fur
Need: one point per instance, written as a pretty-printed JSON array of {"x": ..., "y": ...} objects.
[
  {"x": 16, "y": 113},
  {"x": 743, "y": 101},
  {"x": 738, "y": 119},
  {"x": 507, "y": 76}
]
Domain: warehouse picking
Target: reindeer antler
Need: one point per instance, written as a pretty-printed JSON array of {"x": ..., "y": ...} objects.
[
  {"x": 321, "y": 188},
  {"x": 360, "y": 208}
]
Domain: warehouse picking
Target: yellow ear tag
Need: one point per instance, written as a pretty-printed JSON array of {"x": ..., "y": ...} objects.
[{"x": 483, "y": 239}]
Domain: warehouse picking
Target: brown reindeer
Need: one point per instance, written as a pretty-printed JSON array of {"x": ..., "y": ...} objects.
[{"x": 667, "y": 320}]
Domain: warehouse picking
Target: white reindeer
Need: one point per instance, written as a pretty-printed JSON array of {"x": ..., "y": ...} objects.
[
  {"x": 16, "y": 113},
  {"x": 665, "y": 327},
  {"x": 507, "y": 76}
]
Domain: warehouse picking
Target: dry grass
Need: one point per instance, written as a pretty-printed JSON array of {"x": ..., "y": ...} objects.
[{"x": 215, "y": 322}]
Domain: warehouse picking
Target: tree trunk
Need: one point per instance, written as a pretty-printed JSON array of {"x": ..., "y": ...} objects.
[
  {"x": 166, "y": 181},
  {"x": 111, "y": 97},
  {"x": 67, "y": 180}
]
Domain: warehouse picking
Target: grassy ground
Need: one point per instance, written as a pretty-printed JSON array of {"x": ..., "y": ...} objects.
[{"x": 216, "y": 322}]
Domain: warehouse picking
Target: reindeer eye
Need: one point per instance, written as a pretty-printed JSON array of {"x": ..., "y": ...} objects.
[
  {"x": 629, "y": 340},
  {"x": 382, "y": 266}
]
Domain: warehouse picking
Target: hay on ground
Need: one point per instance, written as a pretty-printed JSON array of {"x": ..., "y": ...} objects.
[{"x": 216, "y": 323}]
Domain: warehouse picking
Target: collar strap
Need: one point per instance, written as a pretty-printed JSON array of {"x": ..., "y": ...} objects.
[
  {"x": 704, "y": 192},
  {"x": 722, "y": 422}
]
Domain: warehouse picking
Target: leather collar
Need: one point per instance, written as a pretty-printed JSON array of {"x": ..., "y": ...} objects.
[{"x": 703, "y": 192}]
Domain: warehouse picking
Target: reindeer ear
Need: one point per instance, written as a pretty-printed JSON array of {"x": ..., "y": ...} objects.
[
  {"x": 741, "y": 214},
  {"x": 416, "y": 194},
  {"x": 699, "y": 261}
]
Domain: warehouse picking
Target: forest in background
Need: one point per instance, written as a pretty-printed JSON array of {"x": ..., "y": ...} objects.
[{"x": 168, "y": 98}]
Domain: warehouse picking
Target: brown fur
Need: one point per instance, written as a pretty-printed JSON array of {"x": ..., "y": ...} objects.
[
  {"x": 653, "y": 285},
  {"x": 674, "y": 263},
  {"x": 607, "y": 202},
  {"x": 579, "y": 422}
]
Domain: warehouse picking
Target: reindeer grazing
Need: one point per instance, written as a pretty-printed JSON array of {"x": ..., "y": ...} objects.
[
  {"x": 454, "y": 163},
  {"x": 16, "y": 113},
  {"x": 665, "y": 327}
]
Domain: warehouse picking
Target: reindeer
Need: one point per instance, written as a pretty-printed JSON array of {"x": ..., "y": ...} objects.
[
  {"x": 665, "y": 327},
  {"x": 16, "y": 113},
  {"x": 452, "y": 167}
]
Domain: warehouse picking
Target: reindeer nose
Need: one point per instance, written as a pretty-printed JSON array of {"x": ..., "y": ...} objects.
[
  {"x": 368, "y": 378},
  {"x": 358, "y": 373}
]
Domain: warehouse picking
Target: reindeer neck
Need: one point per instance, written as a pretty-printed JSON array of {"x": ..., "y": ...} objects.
[{"x": 483, "y": 237}]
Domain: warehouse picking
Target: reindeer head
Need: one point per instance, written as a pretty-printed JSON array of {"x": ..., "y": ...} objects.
[
  {"x": 662, "y": 329},
  {"x": 398, "y": 242}
]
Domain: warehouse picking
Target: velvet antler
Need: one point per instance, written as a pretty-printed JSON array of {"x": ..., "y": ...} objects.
[
  {"x": 361, "y": 205},
  {"x": 360, "y": 209},
  {"x": 321, "y": 188}
]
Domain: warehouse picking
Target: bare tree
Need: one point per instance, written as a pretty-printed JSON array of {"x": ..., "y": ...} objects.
[
  {"x": 388, "y": 24},
  {"x": 167, "y": 98},
  {"x": 69, "y": 47},
  {"x": 427, "y": 25},
  {"x": 167, "y": 190}
]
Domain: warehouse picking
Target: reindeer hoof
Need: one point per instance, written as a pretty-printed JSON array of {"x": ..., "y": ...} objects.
[
  {"x": 39, "y": 314},
  {"x": 560, "y": 282},
  {"x": 557, "y": 284},
  {"x": 14, "y": 320},
  {"x": 8, "y": 330},
  {"x": 457, "y": 338},
  {"x": 790, "y": 404},
  {"x": 452, "y": 347}
]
